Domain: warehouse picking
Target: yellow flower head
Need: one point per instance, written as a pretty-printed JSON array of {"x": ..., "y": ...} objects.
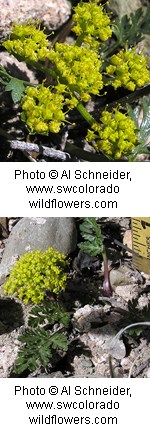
[
  {"x": 35, "y": 273},
  {"x": 28, "y": 42},
  {"x": 115, "y": 134},
  {"x": 79, "y": 67},
  {"x": 92, "y": 22},
  {"x": 43, "y": 109},
  {"x": 128, "y": 69}
]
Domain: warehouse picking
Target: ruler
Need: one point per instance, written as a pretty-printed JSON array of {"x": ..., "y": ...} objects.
[{"x": 141, "y": 243}]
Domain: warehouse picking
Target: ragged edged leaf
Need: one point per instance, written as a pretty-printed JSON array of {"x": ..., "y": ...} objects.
[
  {"x": 35, "y": 352},
  {"x": 59, "y": 341},
  {"x": 39, "y": 341},
  {"x": 91, "y": 233},
  {"x": 48, "y": 311}
]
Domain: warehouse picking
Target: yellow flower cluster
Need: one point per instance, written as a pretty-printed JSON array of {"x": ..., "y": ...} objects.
[
  {"x": 115, "y": 136},
  {"x": 92, "y": 22},
  {"x": 129, "y": 70},
  {"x": 27, "y": 42},
  {"x": 79, "y": 67},
  {"x": 35, "y": 273},
  {"x": 42, "y": 109}
]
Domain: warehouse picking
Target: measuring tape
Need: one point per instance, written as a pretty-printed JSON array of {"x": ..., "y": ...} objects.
[{"x": 141, "y": 243}]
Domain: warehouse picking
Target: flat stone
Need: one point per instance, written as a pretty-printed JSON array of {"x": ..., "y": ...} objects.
[{"x": 38, "y": 233}]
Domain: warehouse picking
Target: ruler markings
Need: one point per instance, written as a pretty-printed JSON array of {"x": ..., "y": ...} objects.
[{"x": 141, "y": 243}]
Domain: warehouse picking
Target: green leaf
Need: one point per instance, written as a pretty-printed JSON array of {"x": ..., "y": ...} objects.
[
  {"x": 38, "y": 342},
  {"x": 130, "y": 29},
  {"x": 59, "y": 341},
  {"x": 17, "y": 89},
  {"x": 48, "y": 311},
  {"x": 145, "y": 124},
  {"x": 134, "y": 114},
  {"x": 91, "y": 233},
  {"x": 134, "y": 331},
  {"x": 143, "y": 127}
]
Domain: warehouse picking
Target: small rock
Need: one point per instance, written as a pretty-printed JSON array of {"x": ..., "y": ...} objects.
[
  {"x": 148, "y": 373},
  {"x": 9, "y": 346},
  {"x": 146, "y": 276},
  {"x": 127, "y": 292},
  {"x": 31, "y": 234},
  {"x": 124, "y": 275},
  {"x": 143, "y": 301},
  {"x": 87, "y": 315},
  {"x": 57, "y": 374},
  {"x": 116, "y": 348},
  {"x": 120, "y": 276},
  {"x": 82, "y": 366},
  {"x": 18, "y": 69},
  {"x": 52, "y": 13}
]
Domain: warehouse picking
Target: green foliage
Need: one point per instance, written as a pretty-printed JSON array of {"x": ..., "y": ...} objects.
[
  {"x": 35, "y": 273},
  {"x": 144, "y": 127},
  {"x": 91, "y": 232},
  {"x": 129, "y": 30},
  {"x": 13, "y": 85},
  {"x": 4, "y": 76},
  {"x": 80, "y": 71},
  {"x": 17, "y": 89},
  {"x": 48, "y": 311},
  {"x": 93, "y": 245},
  {"x": 39, "y": 341}
]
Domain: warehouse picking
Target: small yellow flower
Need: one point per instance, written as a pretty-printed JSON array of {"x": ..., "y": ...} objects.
[
  {"x": 28, "y": 42},
  {"x": 73, "y": 64},
  {"x": 43, "y": 109},
  {"x": 35, "y": 273},
  {"x": 92, "y": 22},
  {"x": 129, "y": 70},
  {"x": 115, "y": 134}
]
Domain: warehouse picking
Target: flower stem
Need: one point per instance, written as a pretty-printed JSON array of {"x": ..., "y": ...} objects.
[
  {"x": 85, "y": 114},
  {"x": 106, "y": 284},
  {"x": 82, "y": 110},
  {"x": 109, "y": 51}
]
